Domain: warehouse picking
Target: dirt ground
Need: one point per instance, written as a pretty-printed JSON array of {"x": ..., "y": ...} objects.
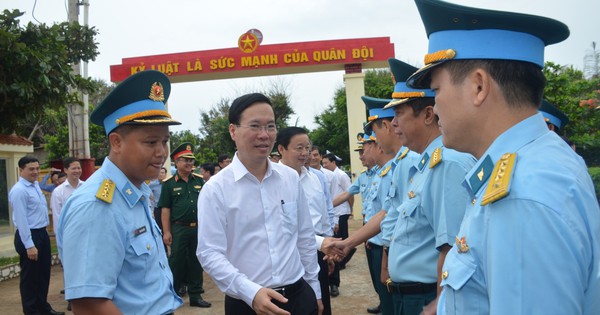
[{"x": 356, "y": 291}]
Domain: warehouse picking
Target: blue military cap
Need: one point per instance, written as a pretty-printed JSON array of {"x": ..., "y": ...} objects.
[
  {"x": 375, "y": 106},
  {"x": 553, "y": 115},
  {"x": 458, "y": 32},
  {"x": 401, "y": 71},
  {"x": 138, "y": 100}
]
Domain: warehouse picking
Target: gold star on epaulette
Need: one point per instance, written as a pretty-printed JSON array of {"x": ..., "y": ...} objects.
[{"x": 106, "y": 191}]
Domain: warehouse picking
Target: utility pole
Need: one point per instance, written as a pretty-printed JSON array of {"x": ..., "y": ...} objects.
[{"x": 78, "y": 120}]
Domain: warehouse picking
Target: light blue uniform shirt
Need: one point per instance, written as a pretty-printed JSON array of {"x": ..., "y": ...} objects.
[
  {"x": 115, "y": 250},
  {"x": 381, "y": 184},
  {"x": 402, "y": 163},
  {"x": 362, "y": 185},
  {"x": 29, "y": 209},
  {"x": 535, "y": 251},
  {"x": 430, "y": 215}
]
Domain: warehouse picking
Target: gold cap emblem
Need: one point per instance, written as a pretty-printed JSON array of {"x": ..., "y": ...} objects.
[{"x": 156, "y": 92}]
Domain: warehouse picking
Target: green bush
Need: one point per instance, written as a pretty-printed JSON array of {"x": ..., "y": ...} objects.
[{"x": 595, "y": 173}]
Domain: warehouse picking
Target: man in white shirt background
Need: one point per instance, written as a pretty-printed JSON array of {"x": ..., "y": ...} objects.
[
  {"x": 255, "y": 234},
  {"x": 72, "y": 168}
]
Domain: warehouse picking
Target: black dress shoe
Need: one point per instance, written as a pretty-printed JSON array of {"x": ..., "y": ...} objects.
[
  {"x": 199, "y": 302},
  {"x": 374, "y": 310},
  {"x": 181, "y": 292},
  {"x": 334, "y": 290},
  {"x": 53, "y": 312}
]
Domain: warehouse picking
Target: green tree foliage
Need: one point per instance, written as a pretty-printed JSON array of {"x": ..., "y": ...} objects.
[
  {"x": 55, "y": 130},
  {"x": 35, "y": 72},
  {"x": 578, "y": 98},
  {"x": 332, "y": 131}
]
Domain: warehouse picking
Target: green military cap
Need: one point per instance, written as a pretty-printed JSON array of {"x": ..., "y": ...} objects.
[
  {"x": 184, "y": 150},
  {"x": 458, "y": 32},
  {"x": 553, "y": 115},
  {"x": 138, "y": 100}
]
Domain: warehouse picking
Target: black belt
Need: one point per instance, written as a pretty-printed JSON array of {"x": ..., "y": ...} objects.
[
  {"x": 409, "y": 288},
  {"x": 291, "y": 289},
  {"x": 188, "y": 224}
]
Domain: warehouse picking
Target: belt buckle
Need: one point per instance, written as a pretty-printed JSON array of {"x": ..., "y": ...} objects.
[
  {"x": 281, "y": 291},
  {"x": 193, "y": 224}
]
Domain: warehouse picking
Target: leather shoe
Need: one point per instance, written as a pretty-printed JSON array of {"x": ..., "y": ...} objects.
[
  {"x": 334, "y": 290},
  {"x": 53, "y": 312},
  {"x": 199, "y": 302},
  {"x": 374, "y": 310}
]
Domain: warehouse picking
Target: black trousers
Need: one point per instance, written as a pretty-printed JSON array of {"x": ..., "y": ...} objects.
[
  {"x": 35, "y": 275},
  {"x": 324, "y": 282},
  {"x": 303, "y": 302}
]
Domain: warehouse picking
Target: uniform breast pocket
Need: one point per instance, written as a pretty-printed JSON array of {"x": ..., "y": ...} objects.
[
  {"x": 290, "y": 217},
  {"x": 143, "y": 249},
  {"x": 408, "y": 222},
  {"x": 458, "y": 271}
]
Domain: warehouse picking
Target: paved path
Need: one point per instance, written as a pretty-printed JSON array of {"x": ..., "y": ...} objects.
[{"x": 356, "y": 291}]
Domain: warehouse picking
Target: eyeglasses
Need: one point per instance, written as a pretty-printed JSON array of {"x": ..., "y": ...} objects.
[{"x": 269, "y": 128}]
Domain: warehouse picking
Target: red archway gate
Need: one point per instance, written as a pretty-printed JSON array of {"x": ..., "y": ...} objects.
[{"x": 250, "y": 59}]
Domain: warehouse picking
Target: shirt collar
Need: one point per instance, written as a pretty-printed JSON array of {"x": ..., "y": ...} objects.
[
  {"x": 129, "y": 192},
  {"x": 424, "y": 158},
  {"x": 26, "y": 182},
  {"x": 510, "y": 141},
  {"x": 239, "y": 170}
]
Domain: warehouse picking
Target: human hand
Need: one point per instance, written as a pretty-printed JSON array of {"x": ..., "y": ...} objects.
[
  {"x": 329, "y": 250},
  {"x": 262, "y": 302},
  {"x": 430, "y": 309},
  {"x": 32, "y": 253},
  {"x": 330, "y": 266},
  {"x": 167, "y": 238},
  {"x": 343, "y": 246},
  {"x": 336, "y": 228},
  {"x": 385, "y": 275},
  {"x": 56, "y": 170}
]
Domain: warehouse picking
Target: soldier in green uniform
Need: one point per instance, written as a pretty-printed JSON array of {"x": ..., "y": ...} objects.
[{"x": 178, "y": 200}]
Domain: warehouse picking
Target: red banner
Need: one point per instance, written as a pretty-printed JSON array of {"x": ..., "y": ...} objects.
[{"x": 264, "y": 60}]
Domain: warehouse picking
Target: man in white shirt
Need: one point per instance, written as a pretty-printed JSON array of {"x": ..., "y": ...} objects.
[
  {"x": 255, "y": 235},
  {"x": 294, "y": 145},
  {"x": 72, "y": 168}
]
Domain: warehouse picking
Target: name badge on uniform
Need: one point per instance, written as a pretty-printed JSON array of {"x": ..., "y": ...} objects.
[
  {"x": 177, "y": 188},
  {"x": 139, "y": 231}
]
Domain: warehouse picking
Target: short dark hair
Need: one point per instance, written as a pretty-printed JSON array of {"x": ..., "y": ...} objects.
[
  {"x": 241, "y": 103},
  {"x": 222, "y": 157},
  {"x": 315, "y": 147},
  {"x": 26, "y": 160},
  {"x": 331, "y": 157},
  {"x": 62, "y": 174},
  {"x": 284, "y": 136},
  {"x": 209, "y": 167},
  {"x": 520, "y": 81},
  {"x": 68, "y": 161}
]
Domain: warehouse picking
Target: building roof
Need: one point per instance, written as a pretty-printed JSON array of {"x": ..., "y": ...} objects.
[{"x": 14, "y": 140}]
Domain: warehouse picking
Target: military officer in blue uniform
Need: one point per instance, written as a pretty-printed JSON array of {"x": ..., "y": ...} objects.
[
  {"x": 110, "y": 246},
  {"x": 530, "y": 239}
]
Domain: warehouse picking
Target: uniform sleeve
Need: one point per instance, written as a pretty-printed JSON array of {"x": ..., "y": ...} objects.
[
  {"x": 447, "y": 201},
  {"x": 91, "y": 269},
  {"x": 212, "y": 246},
  {"x": 165, "y": 195},
  {"x": 306, "y": 244},
  {"x": 546, "y": 266},
  {"x": 355, "y": 187},
  {"x": 18, "y": 201},
  {"x": 388, "y": 224}
]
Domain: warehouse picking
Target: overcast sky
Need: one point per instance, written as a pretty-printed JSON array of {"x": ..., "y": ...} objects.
[{"x": 150, "y": 27}]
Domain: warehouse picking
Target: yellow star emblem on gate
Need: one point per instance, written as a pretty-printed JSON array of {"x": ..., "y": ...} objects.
[{"x": 248, "y": 42}]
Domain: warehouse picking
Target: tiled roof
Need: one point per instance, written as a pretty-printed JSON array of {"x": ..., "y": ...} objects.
[{"x": 14, "y": 140}]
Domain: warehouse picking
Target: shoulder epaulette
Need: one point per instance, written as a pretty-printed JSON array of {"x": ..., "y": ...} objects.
[
  {"x": 403, "y": 155},
  {"x": 499, "y": 184},
  {"x": 385, "y": 171},
  {"x": 436, "y": 157},
  {"x": 198, "y": 175},
  {"x": 106, "y": 191},
  {"x": 166, "y": 179}
]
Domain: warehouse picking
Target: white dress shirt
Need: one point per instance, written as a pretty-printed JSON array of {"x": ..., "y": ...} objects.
[
  {"x": 340, "y": 182},
  {"x": 254, "y": 234},
  {"x": 317, "y": 204},
  {"x": 59, "y": 198}
]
